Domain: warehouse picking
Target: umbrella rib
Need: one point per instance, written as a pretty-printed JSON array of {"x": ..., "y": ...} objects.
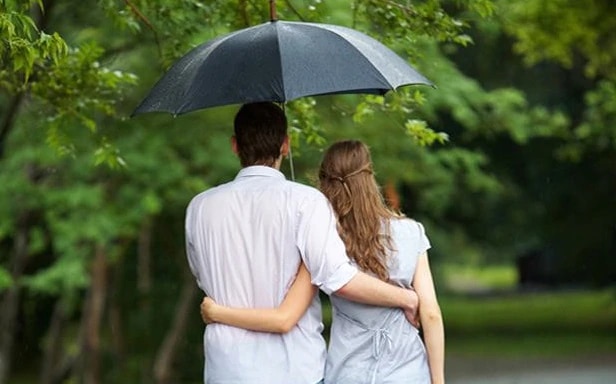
[
  {"x": 211, "y": 49},
  {"x": 282, "y": 75},
  {"x": 350, "y": 40},
  {"x": 350, "y": 44}
]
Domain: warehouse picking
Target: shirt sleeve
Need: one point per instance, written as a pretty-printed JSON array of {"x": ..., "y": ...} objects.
[
  {"x": 321, "y": 247},
  {"x": 191, "y": 253}
]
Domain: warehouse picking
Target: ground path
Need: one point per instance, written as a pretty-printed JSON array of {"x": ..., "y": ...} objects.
[{"x": 570, "y": 370}]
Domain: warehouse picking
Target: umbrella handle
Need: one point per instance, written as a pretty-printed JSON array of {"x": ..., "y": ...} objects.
[{"x": 273, "y": 15}]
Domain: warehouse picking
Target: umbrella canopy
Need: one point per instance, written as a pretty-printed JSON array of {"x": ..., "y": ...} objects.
[{"x": 279, "y": 61}]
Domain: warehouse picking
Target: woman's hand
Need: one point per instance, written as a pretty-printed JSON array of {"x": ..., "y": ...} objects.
[
  {"x": 208, "y": 310},
  {"x": 280, "y": 319}
]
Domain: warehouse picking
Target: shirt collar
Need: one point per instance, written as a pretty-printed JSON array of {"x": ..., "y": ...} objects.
[{"x": 260, "y": 170}]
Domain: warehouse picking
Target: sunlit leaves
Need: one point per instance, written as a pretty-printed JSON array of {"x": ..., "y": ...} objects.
[
  {"x": 80, "y": 85},
  {"x": 483, "y": 8},
  {"x": 401, "y": 20},
  {"x": 303, "y": 124},
  {"x": 402, "y": 104},
  {"x": 64, "y": 276},
  {"x": 572, "y": 33},
  {"x": 69, "y": 83},
  {"x": 597, "y": 133},
  {"x": 422, "y": 135},
  {"x": 57, "y": 138},
  {"x": 22, "y": 47},
  {"x": 458, "y": 169},
  {"x": 175, "y": 27},
  {"x": 109, "y": 154},
  {"x": 599, "y": 128},
  {"x": 562, "y": 30}
]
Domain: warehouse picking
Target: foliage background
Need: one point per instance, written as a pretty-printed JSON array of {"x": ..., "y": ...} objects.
[{"x": 512, "y": 154}]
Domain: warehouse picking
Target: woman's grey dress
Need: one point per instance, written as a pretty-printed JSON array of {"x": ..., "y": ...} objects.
[{"x": 371, "y": 344}]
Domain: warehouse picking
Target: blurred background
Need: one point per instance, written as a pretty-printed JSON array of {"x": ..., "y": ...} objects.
[{"x": 509, "y": 162}]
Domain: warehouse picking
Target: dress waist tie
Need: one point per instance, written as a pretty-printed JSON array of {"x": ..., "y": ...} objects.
[{"x": 381, "y": 343}]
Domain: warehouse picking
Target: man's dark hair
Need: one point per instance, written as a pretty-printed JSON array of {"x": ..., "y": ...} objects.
[{"x": 260, "y": 130}]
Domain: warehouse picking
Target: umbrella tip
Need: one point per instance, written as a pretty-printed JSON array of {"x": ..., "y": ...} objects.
[{"x": 273, "y": 15}]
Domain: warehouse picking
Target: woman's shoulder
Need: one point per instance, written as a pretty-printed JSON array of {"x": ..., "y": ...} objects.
[
  {"x": 405, "y": 230},
  {"x": 405, "y": 222}
]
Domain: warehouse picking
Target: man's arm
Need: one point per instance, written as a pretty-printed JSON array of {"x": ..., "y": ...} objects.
[
  {"x": 366, "y": 289},
  {"x": 325, "y": 256}
]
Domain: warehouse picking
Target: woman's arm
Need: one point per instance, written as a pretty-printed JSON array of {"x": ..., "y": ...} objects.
[
  {"x": 275, "y": 320},
  {"x": 431, "y": 319}
]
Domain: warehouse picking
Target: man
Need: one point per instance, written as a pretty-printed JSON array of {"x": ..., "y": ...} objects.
[{"x": 245, "y": 241}]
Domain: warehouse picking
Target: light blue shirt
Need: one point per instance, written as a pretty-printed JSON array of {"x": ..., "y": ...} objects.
[{"x": 245, "y": 240}]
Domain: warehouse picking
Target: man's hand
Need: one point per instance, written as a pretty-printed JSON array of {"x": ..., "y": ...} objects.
[
  {"x": 411, "y": 312},
  {"x": 208, "y": 310}
]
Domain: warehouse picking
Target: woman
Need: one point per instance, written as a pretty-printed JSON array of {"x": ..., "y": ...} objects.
[{"x": 367, "y": 344}]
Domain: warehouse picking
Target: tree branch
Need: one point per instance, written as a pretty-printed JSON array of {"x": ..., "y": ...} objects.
[
  {"x": 147, "y": 22},
  {"x": 43, "y": 15},
  {"x": 242, "y": 6},
  {"x": 41, "y": 20},
  {"x": 9, "y": 120},
  {"x": 294, "y": 10}
]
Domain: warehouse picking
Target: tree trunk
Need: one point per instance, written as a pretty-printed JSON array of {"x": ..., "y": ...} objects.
[
  {"x": 10, "y": 298},
  {"x": 115, "y": 317},
  {"x": 144, "y": 258},
  {"x": 163, "y": 365},
  {"x": 92, "y": 316},
  {"x": 9, "y": 119},
  {"x": 53, "y": 354}
]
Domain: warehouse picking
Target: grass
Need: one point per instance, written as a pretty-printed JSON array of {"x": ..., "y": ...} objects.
[
  {"x": 555, "y": 324},
  {"x": 554, "y": 312},
  {"x": 521, "y": 325},
  {"x": 486, "y": 277},
  {"x": 511, "y": 324},
  {"x": 531, "y": 346}
]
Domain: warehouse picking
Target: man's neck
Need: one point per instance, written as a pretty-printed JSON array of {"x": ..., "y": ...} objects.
[{"x": 276, "y": 164}]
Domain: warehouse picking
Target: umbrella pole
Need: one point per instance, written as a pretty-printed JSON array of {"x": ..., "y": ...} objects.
[
  {"x": 273, "y": 15},
  {"x": 291, "y": 163},
  {"x": 283, "y": 105}
]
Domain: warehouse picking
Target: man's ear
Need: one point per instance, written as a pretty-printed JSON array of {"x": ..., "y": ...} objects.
[
  {"x": 234, "y": 145},
  {"x": 284, "y": 148}
]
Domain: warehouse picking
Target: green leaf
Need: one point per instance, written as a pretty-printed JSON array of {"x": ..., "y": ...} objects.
[
  {"x": 6, "y": 280},
  {"x": 422, "y": 135}
]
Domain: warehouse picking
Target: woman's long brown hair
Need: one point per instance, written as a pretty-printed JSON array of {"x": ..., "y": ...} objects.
[{"x": 347, "y": 180}]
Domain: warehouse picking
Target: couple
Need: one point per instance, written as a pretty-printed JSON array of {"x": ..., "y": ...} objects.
[{"x": 260, "y": 246}]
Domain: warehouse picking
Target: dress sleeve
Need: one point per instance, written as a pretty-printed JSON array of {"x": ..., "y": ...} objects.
[
  {"x": 424, "y": 242},
  {"x": 321, "y": 247}
]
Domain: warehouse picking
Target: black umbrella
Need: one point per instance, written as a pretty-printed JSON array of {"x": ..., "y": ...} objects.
[{"x": 279, "y": 61}]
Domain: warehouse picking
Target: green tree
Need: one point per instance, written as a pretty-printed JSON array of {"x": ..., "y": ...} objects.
[
  {"x": 543, "y": 117},
  {"x": 578, "y": 38},
  {"x": 92, "y": 256}
]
